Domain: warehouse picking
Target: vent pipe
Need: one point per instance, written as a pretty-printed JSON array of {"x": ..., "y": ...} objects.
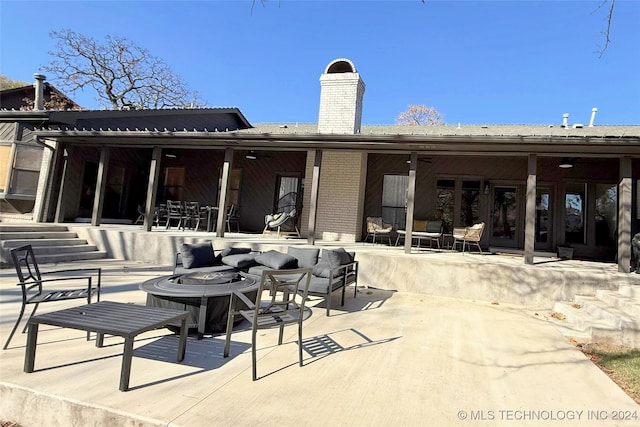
[
  {"x": 39, "y": 86},
  {"x": 565, "y": 120},
  {"x": 594, "y": 110}
]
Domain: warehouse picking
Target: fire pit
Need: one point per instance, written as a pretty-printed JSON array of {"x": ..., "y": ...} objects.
[{"x": 204, "y": 295}]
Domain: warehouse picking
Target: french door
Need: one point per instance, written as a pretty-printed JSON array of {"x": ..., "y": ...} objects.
[{"x": 505, "y": 216}]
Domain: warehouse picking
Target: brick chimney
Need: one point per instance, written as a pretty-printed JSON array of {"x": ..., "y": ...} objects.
[
  {"x": 341, "y": 92},
  {"x": 39, "y": 86}
]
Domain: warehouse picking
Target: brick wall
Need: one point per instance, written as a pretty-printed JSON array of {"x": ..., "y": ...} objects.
[
  {"x": 340, "y": 103},
  {"x": 340, "y": 196}
]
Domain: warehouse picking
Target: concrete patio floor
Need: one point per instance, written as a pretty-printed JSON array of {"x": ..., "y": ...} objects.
[{"x": 385, "y": 358}]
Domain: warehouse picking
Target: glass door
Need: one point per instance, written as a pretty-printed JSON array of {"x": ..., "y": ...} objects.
[
  {"x": 504, "y": 217},
  {"x": 544, "y": 219}
]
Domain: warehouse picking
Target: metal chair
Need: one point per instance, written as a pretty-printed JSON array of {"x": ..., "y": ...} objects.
[
  {"x": 194, "y": 214},
  {"x": 281, "y": 309},
  {"x": 233, "y": 216},
  {"x": 175, "y": 211},
  {"x": 33, "y": 286}
]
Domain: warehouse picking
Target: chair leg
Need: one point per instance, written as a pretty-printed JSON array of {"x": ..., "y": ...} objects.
[
  {"x": 300, "y": 342},
  {"x": 253, "y": 354},
  {"x": 13, "y": 331}
]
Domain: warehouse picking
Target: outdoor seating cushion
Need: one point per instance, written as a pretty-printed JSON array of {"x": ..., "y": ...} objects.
[
  {"x": 320, "y": 285},
  {"x": 307, "y": 257},
  {"x": 209, "y": 269},
  {"x": 332, "y": 259},
  {"x": 234, "y": 251},
  {"x": 240, "y": 261},
  {"x": 276, "y": 260},
  {"x": 196, "y": 255},
  {"x": 419, "y": 225}
]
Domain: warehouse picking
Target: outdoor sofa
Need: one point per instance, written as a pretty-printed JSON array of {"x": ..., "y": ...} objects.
[{"x": 333, "y": 269}]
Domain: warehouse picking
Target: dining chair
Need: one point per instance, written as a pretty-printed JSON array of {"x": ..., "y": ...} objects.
[
  {"x": 468, "y": 236},
  {"x": 286, "y": 294},
  {"x": 175, "y": 211},
  {"x": 233, "y": 217}
]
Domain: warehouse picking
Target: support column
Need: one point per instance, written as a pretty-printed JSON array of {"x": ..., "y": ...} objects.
[
  {"x": 411, "y": 197},
  {"x": 101, "y": 185},
  {"x": 313, "y": 205},
  {"x": 624, "y": 216},
  {"x": 64, "y": 184},
  {"x": 224, "y": 191},
  {"x": 530, "y": 211},
  {"x": 152, "y": 188}
]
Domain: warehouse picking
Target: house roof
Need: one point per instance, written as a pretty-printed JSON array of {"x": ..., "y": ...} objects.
[
  {"x": 13, "y": 99},
  {"x": 175, "y": 119}
]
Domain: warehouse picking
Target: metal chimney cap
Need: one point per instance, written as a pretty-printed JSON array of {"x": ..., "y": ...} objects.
[{"x": 39, "y": 76}]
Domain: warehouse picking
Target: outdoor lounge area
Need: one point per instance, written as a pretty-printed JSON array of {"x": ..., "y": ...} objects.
[{"x": 369, "y": 352}]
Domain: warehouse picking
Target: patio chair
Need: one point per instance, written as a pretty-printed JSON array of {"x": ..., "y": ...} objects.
[
  {"x": 33, "y": 286},
  {"x": 281, "y": 220},
  {"x": 175, "y": 211},
  {"x": 467, "y": 236},
  {"x": 281, "y": 309},
  {"x": 233, "y": 217},
  {"x": 194, "y": 214},
  {"x": 376, "y": 227}
]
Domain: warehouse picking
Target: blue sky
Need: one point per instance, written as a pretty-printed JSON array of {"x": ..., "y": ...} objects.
[{"x": 477, "y": 62}]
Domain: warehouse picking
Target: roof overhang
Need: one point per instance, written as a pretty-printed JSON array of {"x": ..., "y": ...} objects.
[{"x": 461, "y": 145}]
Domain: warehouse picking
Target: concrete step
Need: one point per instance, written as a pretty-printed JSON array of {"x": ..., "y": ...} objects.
[
  {"x": 66, "y": 257},
  {"x": 630, "y": 290},
  {"x": 8, "y": 244},
  {"x": 17, "y": 228},
  {"x": 38, "y": 234},
  {"x": 593, "y": 320},
  {"x": 627, "y": 304}
]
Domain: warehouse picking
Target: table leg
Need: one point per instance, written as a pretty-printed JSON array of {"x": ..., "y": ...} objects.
[
  {"x": 30, "y": 351},
  {"x": 182, "y": 346},
  {"x": 125, "y": 372},
  {"x": 202, "y": 317},
  {"x": 99, "y": 339}
]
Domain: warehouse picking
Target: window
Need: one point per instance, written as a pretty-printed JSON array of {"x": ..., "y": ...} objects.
[
  {"x": 575, "y": 204},
  {"x": 173, "y": 183},
  {"x": 26, "y": 170},
  {"x": 394, "y": 199},
  {"x": 445, "y": 193},
  {"x": 469, "y": 208},
  {"x": 606, "y": 214}
]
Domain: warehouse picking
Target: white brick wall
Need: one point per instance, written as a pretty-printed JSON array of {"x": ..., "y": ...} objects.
[
  {"x": 340, "y": 103},
  {"x": 340, "y": 196}
]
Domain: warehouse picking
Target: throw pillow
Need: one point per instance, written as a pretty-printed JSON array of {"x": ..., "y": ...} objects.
[
  {"x": 277, "y": 260},
  {"x": 307, "y": 257},
  {"x": 234, "y": 251},
  {"x": 196, "y": 255},
  {"x": 322, "y": 269},
  {"x": 240, "y": 260},
  {"x": 336, "y": 257}
]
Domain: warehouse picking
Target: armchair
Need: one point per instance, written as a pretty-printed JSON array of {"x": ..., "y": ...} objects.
[
  {"x": 376, "y": 227},
  {"x": 468, "y": 235}
]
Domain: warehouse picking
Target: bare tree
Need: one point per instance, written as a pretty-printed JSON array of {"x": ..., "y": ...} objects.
[
  {"x": 607, "y": 31},
  {"x": 420, "y": 115},
  {"x": 122, "y": 74}
]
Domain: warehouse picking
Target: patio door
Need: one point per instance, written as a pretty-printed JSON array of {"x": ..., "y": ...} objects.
[
  {"x": 544, "y": 219},
  {"x": 504, "y": 217}
]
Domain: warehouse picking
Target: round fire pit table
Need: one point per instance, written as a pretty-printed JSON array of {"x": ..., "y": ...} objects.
[{"x": 204, "y": 295}]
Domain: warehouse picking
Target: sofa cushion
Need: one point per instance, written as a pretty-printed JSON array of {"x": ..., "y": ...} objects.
[
  {"x": 322, "y": 269},
  {"x": 276, "y": 260},
  {"x": 196, "y": 255},
  {"x": 307, "y": 257},
  {"x": 234, "y": 251},
  {"x": 240, "y": 261},
  {"x": 336, "y": 257}
]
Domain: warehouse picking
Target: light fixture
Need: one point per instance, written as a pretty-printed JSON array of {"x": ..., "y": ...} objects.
[
  {"x": 251, "y": 155},
  {"x": 170, "y": 155},
  {"x": 567, "y": 162},
  {"x": 486, "y": 188}
]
